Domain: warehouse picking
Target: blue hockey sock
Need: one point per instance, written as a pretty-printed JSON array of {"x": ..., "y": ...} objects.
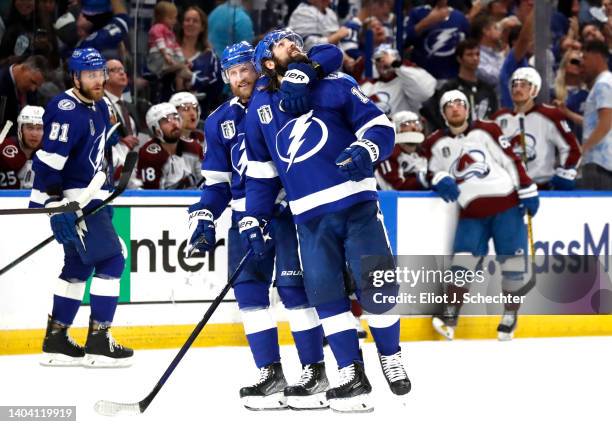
[
  {"x": 104, "y": 295},
  {"x": 67, "y": 300},
  {"x": 309, "y": 345},
  {"x": 262, "y": 335},
  {"x": 386, "y": 334},
  {"x": 339, "y": 328}
]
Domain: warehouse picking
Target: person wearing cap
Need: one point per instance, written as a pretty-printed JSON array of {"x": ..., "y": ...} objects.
[
  {"x": 474, "y": 165},
  {"x": 405, "y": 169},
  {"x": 398, "y": 87}
]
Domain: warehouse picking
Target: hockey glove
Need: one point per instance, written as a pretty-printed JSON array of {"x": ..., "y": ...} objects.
[
  {"x": 63, "y": 224},
  {"x": 294, "y": 88},
  {"x": 202, "y": 229},
  {"x": 529, "y": 199},
  {"x": 357, "y": 160},
  {"x": 252, "y": 233},
  {"x": 564, "y": 179},
  {"x": 447, "y": 188}
]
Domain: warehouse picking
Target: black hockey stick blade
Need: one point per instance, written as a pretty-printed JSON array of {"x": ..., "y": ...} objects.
[
  {"x": 70, "y": 207},
  {"x": 109, "y": 408},
  {"x": 128, "y": 168}
]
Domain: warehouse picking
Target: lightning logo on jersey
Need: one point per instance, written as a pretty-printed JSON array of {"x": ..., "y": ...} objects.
[
  {"x": 302, "y": 132},
  {"x": 443, "y": 42},
  {"x": 238, "y": 154}
]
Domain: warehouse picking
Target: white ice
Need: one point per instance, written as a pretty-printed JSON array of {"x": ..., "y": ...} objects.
[{"x": 528, "y": 382}]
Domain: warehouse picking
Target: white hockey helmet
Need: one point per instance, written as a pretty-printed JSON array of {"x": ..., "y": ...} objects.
[
  {"x": 156, "y": 113},
  {"x": 384, "y": 48},
  {"x": 531, "y": 76},
  {"x": 185, "y": 98},
  {"x": 404, "y": 117},
  {"x": 453, "y": 95},
  {"x": 30, "y": 114}
]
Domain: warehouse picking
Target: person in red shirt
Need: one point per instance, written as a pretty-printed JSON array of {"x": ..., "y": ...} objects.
[{"x": 16, "y": 152}]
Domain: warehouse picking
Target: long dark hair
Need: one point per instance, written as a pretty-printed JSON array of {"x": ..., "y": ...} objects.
[{"x": 202, "y": 43}]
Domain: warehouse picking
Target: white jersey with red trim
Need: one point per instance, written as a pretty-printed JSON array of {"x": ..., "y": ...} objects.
[
  {"x": 482, "y": 163},
  {"x": 549, "y": 141}
]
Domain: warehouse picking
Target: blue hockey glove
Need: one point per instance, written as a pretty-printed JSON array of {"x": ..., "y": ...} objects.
[
  {"x": 202, "y": 229},
  {"x": 564, "y": 179},
  {"x": 357, "y": 160},
  {"x": 252, "y": 233},
  {"x": 294, "y": 88},
  {"x": 529, "y": 199},
  {"x": 447, "y": 188},
  {"x": 63, "y": 224}
]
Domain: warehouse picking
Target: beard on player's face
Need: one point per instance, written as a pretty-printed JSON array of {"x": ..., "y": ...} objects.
[{"x": 94, "y": 91}]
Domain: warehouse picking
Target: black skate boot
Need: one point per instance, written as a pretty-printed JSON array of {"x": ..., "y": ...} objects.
[
  {"x": 309, "y": 391},
  {"x": 394, "y": 371},
  {"x": 353, "y": 392},
  {"x": 59, "y": 349},
  {"x": 446, "y": 323},
  {"x": 507, "y": 325},
  {"x": 101, "y": 349},
  {"x": 267, "y": 392}
]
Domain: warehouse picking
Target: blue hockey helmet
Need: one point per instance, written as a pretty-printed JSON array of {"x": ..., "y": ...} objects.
[
  {"x": 263, "y": 50},
  {"x": 88, "y": 59},
  {"x": 235, "y": 54}
]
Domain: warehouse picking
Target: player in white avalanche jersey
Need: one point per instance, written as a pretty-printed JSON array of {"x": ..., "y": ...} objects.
[
  {"x": 553, "y": 152},
  {"x": 473, "y": 164}
]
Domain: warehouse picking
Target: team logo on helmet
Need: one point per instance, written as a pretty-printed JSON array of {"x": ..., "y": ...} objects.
[
  {"x": 66, "y": 105},
  {"x": 443, "y": 42},
  {"x": 10, "y": 151},
  {"x": 470, "y": 164},
  {"x": 300, "y": 139},
  {"x": 265, "y": 114},
  {"x": 228, "y": 128},
  {"x": 238, "y": 155}
]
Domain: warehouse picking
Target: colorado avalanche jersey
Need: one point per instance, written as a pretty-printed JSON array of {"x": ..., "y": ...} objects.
[
  {"x": 73, "y": 149},
  {"x": 299, "y": 153},
  {"x": 482, "y": 163},
  {"x": 402, "y": 171},
  {"x": 434, "y": 47},
  {"x": 549, "y": 140},
  {"x": 15, "y": 167}
]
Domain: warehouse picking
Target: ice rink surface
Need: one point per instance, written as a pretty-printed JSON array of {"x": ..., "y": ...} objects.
[{"x": 529, "y": 382}]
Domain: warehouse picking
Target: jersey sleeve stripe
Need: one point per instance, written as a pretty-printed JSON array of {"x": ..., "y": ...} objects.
[
  {"x": 216, "y": 177},
  {"x": 53, "y": 160},
  {"x": 261, "y": 169},
  {"x": 331, "y": 194},
  {"x": 381, "y": 120}
]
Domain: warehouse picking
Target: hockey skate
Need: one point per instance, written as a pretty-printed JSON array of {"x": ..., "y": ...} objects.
[
  {"x": 446, "y": 323},
  {"x": 394, "y": 371},
  {"x": 268, "y": 392},
  {"x": 309, "y": 391},
  {"x": 353, "y": 393},
  {"x": 102, "y": 351},
  {"x": 59, "y": 349},
  {"x": 507, "y": 326}
]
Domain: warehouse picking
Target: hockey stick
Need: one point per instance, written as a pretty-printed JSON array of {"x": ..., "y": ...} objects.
[
  {"x": 5, "y": 130},
  {"x": 532, "y": 280},
  {"x": 70, "y": 207},
  {"x": 109, "y": 408},
  {"x": 128, "y": 167}
]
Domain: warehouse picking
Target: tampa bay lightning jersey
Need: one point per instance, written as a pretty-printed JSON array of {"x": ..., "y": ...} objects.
[
  {"x": 225, "y": 160},
  {"x": 434, "y": 48},
  {"x": 73, "y": 149},
  {"x": 299, "y": 153},
  {"x": 107, "y": 38}
]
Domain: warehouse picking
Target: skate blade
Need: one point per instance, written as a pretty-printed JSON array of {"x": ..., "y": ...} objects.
[
  {"x": 59, "y": 360},
  {"x": 96, "y": 361},
  {"x": 305, "y": 403},
  {"x": 275, "y": 401},
  {"x": 505, "y": 336},
  {"x": 359, "y": 403},
  {"x": 447, "y": 332}
]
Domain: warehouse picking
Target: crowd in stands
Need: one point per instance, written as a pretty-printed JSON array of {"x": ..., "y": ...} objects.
[{"x": 168, "y": 53}]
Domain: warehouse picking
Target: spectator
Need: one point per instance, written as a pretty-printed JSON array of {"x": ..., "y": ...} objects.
[
  {"x": 114, "y": 89},
  {"x": 16, "y": 154},
  {"x": 570, "y": 92},
  {"x": 167, "y": 161},
  {"x": 206, "y": 78},
  {"x": 597, "y": 134},
  {"x": 404, "y": 169},
  {"x": 18, "y": 85},
  {"x": 188, "y": 107},
  {"x": 521, "y": 48},
  {"x": 435, "y": 31},
  {"x": 359, "y": 23},
  {"x": 489, "y": 33},
  {"x": 481, "y": 96},
  {"x": 317, "y": 23},
  {"x": 398, "y": 87},
  {"x": 229, "y": 23}
]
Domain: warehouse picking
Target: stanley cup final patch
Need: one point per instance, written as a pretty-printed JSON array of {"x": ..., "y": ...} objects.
[
  {"x": 265, "y": 114},
  {"x": 228, "y": 129}
]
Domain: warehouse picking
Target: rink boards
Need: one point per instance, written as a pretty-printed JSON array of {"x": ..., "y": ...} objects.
[{"x": 167, "y": 292}]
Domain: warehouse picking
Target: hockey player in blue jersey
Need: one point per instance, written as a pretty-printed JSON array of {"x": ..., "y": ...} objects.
[
  {"x": 73, "y": 150},
  {"x": 324, "y": 159},
  {"x": 224, "y": 168}
]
